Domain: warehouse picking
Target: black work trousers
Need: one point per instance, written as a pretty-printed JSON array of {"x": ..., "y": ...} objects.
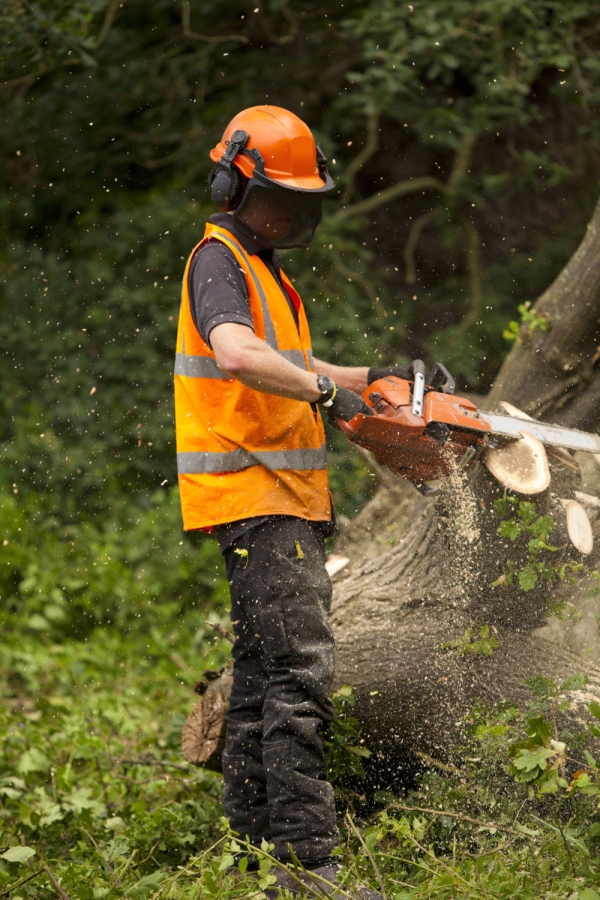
[{"x": 275, "y": 778}]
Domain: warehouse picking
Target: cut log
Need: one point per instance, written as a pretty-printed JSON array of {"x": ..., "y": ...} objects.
[
  {"x": 203, "y": 735},
  {"x": 579, "y": 528},
  {"x": 521, "y": 466},
  {"x": 335, "y": 563},
  {"x": 505, "y": 407}
]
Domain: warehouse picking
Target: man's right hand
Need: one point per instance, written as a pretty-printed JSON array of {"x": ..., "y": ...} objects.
[{"x": 346, "y": 404}]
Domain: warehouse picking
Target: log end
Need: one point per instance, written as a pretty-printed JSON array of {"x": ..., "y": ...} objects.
[
  {"x": 579, "y": 528},
  {"x": 521, "y": 466}
]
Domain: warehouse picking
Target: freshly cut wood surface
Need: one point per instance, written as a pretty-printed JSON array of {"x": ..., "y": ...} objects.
[
  {"x": 520, "y": 466},
  {"x": 579, "y": 528}
]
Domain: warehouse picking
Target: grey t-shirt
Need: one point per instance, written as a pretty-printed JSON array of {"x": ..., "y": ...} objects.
[{"x": 216, "y": 285}]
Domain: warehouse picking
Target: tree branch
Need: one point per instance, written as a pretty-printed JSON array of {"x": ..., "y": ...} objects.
[
  {"x": 352, "y": 276},
  {"x": 474, "y": 269},
  {"x": 107, "y": 24},
  {"x": 402, "y": 189},
  {"x": 55, "y": 883},
  {"x": 411, "y": 244},
  {"x": 286, "y": 38},
  {"x": 369, "y": 148},
  {"x": 462, "y": 160},
  {"x": 13, "y": 887},
  {"x": 209, "y": 39}
]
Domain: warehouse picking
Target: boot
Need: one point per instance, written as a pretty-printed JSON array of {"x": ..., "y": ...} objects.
[{"x": 316, "y": 887}]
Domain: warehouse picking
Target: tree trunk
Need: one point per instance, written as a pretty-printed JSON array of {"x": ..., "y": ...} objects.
[
  {"x": 421, "y": 630},
  {"x": 422, "y": 634},
  {"x": 554, "y": 374}
]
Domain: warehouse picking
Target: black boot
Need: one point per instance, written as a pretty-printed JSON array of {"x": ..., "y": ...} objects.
[{"x": 319, "y": 881}]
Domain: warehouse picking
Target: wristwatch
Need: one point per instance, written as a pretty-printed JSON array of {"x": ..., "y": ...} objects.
[{"x": 328, "y": 390}]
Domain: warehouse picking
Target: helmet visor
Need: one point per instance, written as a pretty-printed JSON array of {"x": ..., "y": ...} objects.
[{"x": 280, "y": 217}]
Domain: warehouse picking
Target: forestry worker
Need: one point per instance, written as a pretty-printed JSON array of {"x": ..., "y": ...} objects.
[{"x": 253, "y": 471}]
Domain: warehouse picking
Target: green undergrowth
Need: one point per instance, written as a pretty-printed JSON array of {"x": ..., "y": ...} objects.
[{"x": 96, "y": 801}]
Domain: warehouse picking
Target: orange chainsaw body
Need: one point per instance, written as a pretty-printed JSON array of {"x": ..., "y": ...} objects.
[{"x": 419, "y": 448}]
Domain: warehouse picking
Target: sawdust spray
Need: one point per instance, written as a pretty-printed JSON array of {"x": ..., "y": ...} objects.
[{"x": 463, "y": 532}]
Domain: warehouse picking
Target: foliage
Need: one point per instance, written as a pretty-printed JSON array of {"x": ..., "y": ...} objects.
[
  {"x": 482, "y": 644},
  {"x": 131, "y": 571},
  {"x": 530, "y": 321},
  {"x": 527, "y": 524},
  {"x": 343, "y": 744},
  {"x": 93, "y": 791}
]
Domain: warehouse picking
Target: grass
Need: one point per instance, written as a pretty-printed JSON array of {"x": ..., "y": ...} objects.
[{"x": 97, "y": 803}]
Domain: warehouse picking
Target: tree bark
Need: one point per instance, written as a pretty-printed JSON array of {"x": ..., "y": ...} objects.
[
  {"x": 410, "y": 621},
  {"x": 421, "y": 631}
]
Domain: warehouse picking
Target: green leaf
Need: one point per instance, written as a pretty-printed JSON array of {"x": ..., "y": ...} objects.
[
  {"x": 588, "y": 894},
  {"x": 33, "y": 760},
  {"x": 528, "y": 760},
  {"x": 510, "y": 529},
  {"x": 528, "y": 578},
  {"x": 574, "y": 682},
  {"x": 538, "y": 727},
  {"x": 18, "y": 854},
  {"x": 594, "y": 708},
  {"x": 527, "y": 511},
  {"x": 244, "y": 554},
  {"x": 147, "y": 885}
]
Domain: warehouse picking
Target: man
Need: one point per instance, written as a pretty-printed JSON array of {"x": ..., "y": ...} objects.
[{"x": 252, "y": 469}]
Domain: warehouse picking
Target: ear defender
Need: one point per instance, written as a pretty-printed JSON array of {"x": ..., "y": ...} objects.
[{"x": 226, "y": 185}]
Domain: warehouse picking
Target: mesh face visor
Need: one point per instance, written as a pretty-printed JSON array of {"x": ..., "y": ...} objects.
[{"x": 283, "y": 217}]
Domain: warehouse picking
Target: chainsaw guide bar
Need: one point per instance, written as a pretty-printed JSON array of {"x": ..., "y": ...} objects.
[{"x": 449, "y": 431}]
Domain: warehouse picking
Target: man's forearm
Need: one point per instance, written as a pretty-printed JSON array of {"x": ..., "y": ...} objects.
[
  {"x": 353, "y": 378},
  {"x": 242, "y": 355}
]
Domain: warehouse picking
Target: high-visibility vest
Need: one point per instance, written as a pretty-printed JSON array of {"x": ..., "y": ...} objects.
[{"x": 242, "y": 452}]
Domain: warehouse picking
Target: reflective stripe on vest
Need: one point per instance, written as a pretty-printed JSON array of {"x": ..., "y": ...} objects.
[
  {"x": 204, "y": 463},
  {"x": 206, "y": 367},
  {"x": 269, "y": 328}
]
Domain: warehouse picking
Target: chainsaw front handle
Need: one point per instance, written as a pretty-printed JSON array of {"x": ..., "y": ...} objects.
[{"x": 417, "y": 368}]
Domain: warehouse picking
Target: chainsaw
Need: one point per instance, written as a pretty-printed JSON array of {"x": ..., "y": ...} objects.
[{"x": 420, "y": 430}]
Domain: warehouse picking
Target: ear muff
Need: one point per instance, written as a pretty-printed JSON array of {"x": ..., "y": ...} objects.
[
  {"x": 226, "y": 187},
  {"x": 225, "y": 182}
]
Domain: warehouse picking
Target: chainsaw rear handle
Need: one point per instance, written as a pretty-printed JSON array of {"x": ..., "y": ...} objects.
[{"x": 417, "y": 370}]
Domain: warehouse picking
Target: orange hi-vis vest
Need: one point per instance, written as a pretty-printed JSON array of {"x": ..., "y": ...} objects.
[{"x": 241, "y": 452}]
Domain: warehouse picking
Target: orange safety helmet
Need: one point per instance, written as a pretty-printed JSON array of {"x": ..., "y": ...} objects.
[{"x": 268, "y": 149}]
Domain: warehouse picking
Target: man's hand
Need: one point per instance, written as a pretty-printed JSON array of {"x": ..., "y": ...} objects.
[
  {"x": 346, "y": 404},
  {"x": 378, "y": 372},
  {"x": 439, "y": 376}
]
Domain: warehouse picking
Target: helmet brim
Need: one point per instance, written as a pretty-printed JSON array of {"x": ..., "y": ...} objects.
[{"x": 247, "y": 167}]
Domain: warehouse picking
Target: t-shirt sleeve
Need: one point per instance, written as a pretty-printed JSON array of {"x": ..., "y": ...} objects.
[{"x": 218, "y": 291}]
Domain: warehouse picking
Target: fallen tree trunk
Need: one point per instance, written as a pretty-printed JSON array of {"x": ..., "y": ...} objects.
[
  {"x": 426, "y": 619},
  {"x": 421, "y": 630}
]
